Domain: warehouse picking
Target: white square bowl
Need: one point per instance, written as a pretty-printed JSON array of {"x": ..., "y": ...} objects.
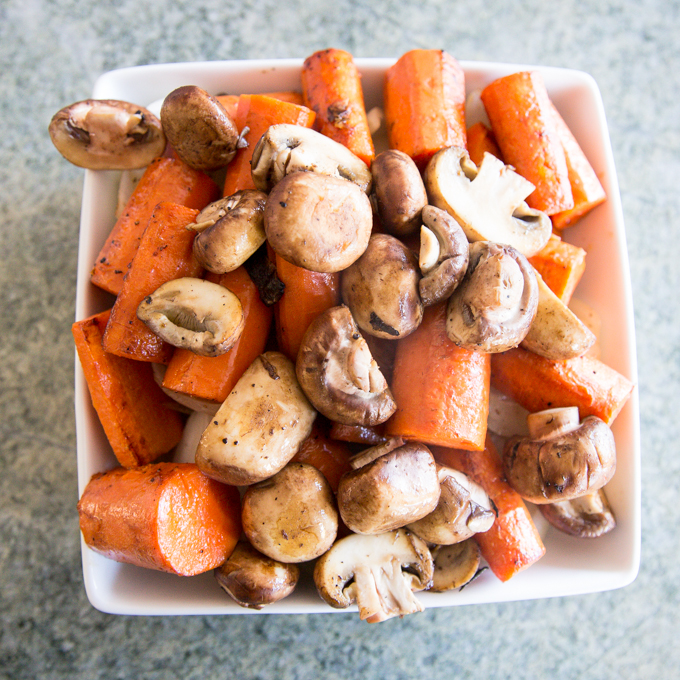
[{"x": 571, "y": 566}]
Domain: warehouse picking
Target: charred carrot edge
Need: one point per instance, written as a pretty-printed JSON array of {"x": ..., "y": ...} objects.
[
  {"x": 166, "y": 179},
  {"x": 561, "y": 265},
  {"x": 424, "y": 102},
  {"x": 586, "y": 188},
  {"x": 131, "y": 407},
  {"x": 331, "y": 87},
  {"x": 213, "y": 378},
  {"x": 165, "y": 253},
  {"x": 481, "y": 140},
  {"x": 523, "y": 123},
  {"x": 230, "y": 101},
  {"x": 537, "y": 383},
  {"x": 441, "y": 390},
  {"x": 164, "y": 516},
  {"x": 305, "y": 296},
  {"x": 257, "y": 112},
  {"x": 513, "y": 542},
  {"x": 358, "y": 434}
]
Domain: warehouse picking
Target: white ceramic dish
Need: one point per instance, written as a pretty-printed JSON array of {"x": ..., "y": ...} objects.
[{"x": 571, "y": 566}]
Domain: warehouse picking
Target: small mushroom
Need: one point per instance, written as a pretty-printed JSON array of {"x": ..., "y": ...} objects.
[
  {"x": 381, "y": 289},
  {"x": 285, "y": 149},
  {"x": 107, "y": 134},
  {"x": 291, "y": 517},
  {"x": 493, "y": 307},
  {"x": 588, "y": 516},
  {"x": 200, "y": 130},
  {"x": 561, "y": 459},
  {"x": 455, "y": 565},
  {"x": 399, "y": 192},
  {"x": 380, "y": 573},
  {"x": 338, "y": 374},
  {"x": 254, "y": 580},
  {"x": 487, "y": 202},
  {"x": 195, "y": 314},
  {"x": 318, "y": 222},
  {"x": 444, "y": 255},
  {"x": 230, "y": 231},
  {"x": 393, "y": 490}
]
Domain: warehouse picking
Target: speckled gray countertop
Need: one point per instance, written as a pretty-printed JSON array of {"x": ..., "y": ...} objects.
[{"x": 50, "y": 55}]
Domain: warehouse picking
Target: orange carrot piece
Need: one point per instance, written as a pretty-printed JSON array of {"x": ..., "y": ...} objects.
[
  {"x": 561, "y": 265},
  {"x": 424, "y": 102},
  {"x": 537, "y": 383},
  {"x": 358, "y": 434},
  {"x": 305, "y": 296},
  {"x": 164, "y": 253},
  {"x": 441, "y": 390},
  {"x": 131, "y": 407},
  {"x": 230, "y": 101},
  {"x": 481, "y": 140},
  {"x": 331, "y": 87},
  {"x": 257, "y": 112},
  {"x": 213, "y": 378},
  {"x": 512, "y": 543},
  {"x": 522, "y": 120},
  {"x": 586, "y": 188},
  {"x": 166, "y": 179},
  {"x": 164, "y": 516}
]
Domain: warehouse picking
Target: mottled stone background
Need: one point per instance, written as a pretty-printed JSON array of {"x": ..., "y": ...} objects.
[{"x": 51, "y": 52}]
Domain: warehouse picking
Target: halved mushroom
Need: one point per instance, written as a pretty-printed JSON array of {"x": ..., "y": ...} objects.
[
  {"x": 393, "y": 490},
  {"x": 444, "y": 255},
  {"x": 254, "y": 580},
  {"x": 194, "y": 314},
  {"x": 454, "y": 565},
  {"x": 285, "y": 149},
  {"x": 200, "y": 130},
  {"x": 291, "y": 517},
  {"x": 338, "y": 374},
  {"x": 107, "y": 134},
  {"x": 381, "y": 289},
  {"x": 588, "y": 516},
  {"x": 230, "y": 231},
  {"x": 487, "y": 202},
  {"x": 399, "y": 192},
  {"x": 380, "y": 573},
  {"x": 493, "y": 307},
  {"x": 561, "y": 459}
]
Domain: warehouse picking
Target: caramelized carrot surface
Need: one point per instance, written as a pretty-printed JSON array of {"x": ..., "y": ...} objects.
[
  {"x": 230, "y": 101},
  {"x": 561, "y": 265},
  {"x": 370, "y": 435},
  {"x": 481, "y": 140}
]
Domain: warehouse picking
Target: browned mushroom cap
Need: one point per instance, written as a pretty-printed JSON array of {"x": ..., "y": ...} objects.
[
  {"x": 254, "y": 580},
  {"x": 291, "y": 517},
  {"x": 399, "y": 192},
  {"x": 588, "y": 516},
  {"x": 231, "y": 230},
  {"x": 318, "y": 222},
  {"x": 493, "y": 307},
  {"x": 200, "y": 130},
  {"x": 107, "y": 134},
  {"x": 381, "y": 289},
  {"x": 455, "y": 565},
  {"x": 395, "y": 489},
  {"x": 338, "y": 374}
]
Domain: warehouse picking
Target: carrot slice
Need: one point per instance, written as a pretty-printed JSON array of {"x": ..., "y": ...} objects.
[
  {"x": 131, "y": 407},
  {"x": 213, "y": 378},
  {"x": 481, "y": 140},
  {"x": 441, "y": 390},
  {"x": 166, "y": 179},
  {"x": 164, "y": 516},
  {"x": 512, "y": 543},
  {"x": 257, "y": 112},
  {"x": 561, "y": 265},
  {"x": 230, "y": 101},
  {"x": 331, "y": 86},
  {"x": 537, "y": 383},
  {"x": 424, "y": 101},
  {"x": 522, "y": 120},
  {"x": 164, "y": 253}
]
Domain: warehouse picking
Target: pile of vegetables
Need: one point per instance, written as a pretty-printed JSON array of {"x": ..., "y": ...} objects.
[{"x": 324, "y": 329}]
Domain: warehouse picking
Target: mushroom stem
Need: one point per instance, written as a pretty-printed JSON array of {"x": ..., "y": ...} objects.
[{"x": 553, "y": 422}]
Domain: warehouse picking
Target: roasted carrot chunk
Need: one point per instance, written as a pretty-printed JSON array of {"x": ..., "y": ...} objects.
[
  {"x": 481, "y": 140},
  {"x": 230, "y": 101},
  {"x": 561, "y": 265}
]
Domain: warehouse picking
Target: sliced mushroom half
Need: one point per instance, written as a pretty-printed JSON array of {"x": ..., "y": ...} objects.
[
  {"x": 195, "y": 314},
  {"x": 588, "y": 516},
  {"x": 454, "y": 565},
  {"x": 487, "y": 202}
]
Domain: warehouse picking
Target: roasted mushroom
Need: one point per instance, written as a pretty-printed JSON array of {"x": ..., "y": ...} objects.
[
  {"x": 493, "y": 307},
  {"x": 195, "y": 314},
  {"x": 455, "y": 565},
  {"x": 381, "y": 289},
  {"x": 107, "y": 134},
  {"x": 380, "y": 573},
  {"x": 588, "y": 516},
  {"x": 338, "y": 374}
]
